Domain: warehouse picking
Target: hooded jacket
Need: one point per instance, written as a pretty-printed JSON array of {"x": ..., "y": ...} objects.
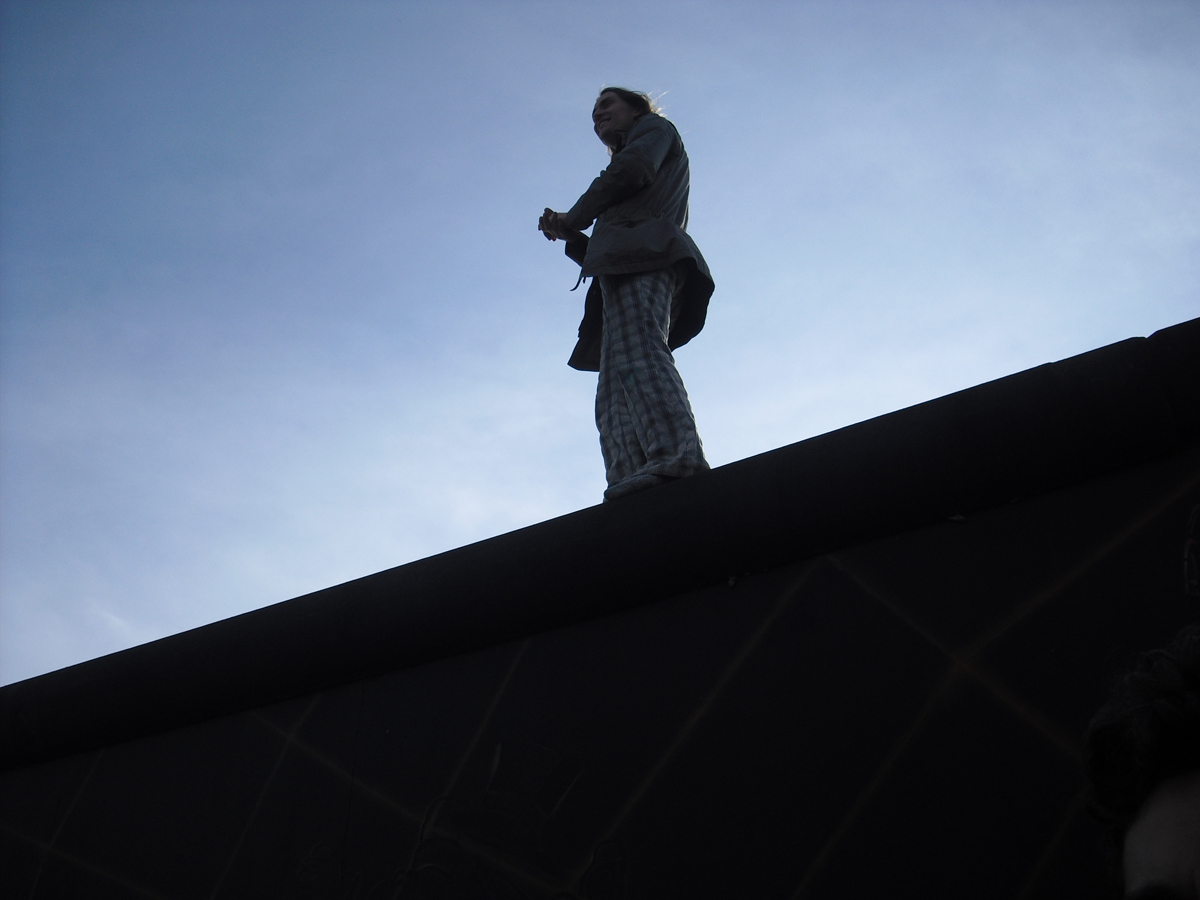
[{"x": 640, "y": 207}]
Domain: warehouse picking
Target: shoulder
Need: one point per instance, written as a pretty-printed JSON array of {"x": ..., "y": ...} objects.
[{"x": 654, "y": 125}]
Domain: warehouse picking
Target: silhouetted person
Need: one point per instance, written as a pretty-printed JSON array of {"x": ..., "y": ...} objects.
[
  {"x": 1143, "y": 760},
  {"x": 649, "y": 294}
]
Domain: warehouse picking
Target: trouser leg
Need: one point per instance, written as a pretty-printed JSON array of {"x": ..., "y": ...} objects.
[{"x": 642, "y": 410}]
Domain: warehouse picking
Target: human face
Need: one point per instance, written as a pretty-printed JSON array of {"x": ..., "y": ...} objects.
[
  {"x": 611, "y": 118},
  {"x": 1162, "y": 846}
]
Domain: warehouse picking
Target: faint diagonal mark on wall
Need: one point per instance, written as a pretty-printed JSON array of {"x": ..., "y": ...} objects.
[
  {"x": 894, "y": 608},
  {"x": 1081, "y": 567},
  {"x": 1069, "y": 744},
  {"x": 487, "y": 717},
  {"x": 358, "y": 785},
  {"x": 1064, "y": 825},
  {"x": 362, "y": 688},
  {"x": 62, "y": 821},
  {"x": 526, "y": 876},
  {"x": 931, "y": 703},
  {"x": 88, "y": 867},
  {"x": 706, "y": 704},
  {"x": 368, "y": 790},
  {"x": 1048, "y": 729},
  {"x": 289, "y": 737}
]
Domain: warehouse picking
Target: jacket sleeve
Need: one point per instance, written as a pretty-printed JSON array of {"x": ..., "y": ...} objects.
[{"x": 634, "y": 167}]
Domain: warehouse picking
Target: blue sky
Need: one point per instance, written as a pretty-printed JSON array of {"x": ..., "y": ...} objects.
[{"x": 274, "y": 313}]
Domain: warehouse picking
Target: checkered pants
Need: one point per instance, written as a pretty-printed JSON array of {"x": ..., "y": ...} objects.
[{"x": 642, "y": 409}]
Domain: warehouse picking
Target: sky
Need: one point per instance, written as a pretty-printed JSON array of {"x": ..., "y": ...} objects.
[{"x": 274, "y": 312}]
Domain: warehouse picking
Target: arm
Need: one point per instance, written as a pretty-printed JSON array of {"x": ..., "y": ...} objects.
[{"x": 630, "y": 170}]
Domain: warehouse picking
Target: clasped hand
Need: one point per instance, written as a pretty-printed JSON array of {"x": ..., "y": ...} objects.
[{"x": 551, "y": 224}]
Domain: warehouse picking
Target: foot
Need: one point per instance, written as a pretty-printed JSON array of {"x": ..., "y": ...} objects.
[{"x": 635, "y": 483}]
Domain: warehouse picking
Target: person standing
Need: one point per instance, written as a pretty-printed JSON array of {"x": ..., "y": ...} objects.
[{"x": 649, "y": 293}]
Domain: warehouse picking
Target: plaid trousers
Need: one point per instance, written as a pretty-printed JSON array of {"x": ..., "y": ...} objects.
[{"x": 642, "y": 410}]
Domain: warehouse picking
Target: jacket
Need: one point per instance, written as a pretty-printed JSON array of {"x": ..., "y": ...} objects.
[{"x": 640, "y": 207}]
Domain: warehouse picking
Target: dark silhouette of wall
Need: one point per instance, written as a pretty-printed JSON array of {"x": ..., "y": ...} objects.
[{"x": 860, "y": 665}]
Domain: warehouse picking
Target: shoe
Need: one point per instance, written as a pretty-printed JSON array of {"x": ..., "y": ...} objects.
[{"x": 635, "y": 483}]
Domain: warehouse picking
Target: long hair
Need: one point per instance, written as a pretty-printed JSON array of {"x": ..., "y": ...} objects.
[{"x": 642, "y": 102}]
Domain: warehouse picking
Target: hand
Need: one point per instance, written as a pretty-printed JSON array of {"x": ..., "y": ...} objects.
[{"x": 551, "y": 224}]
